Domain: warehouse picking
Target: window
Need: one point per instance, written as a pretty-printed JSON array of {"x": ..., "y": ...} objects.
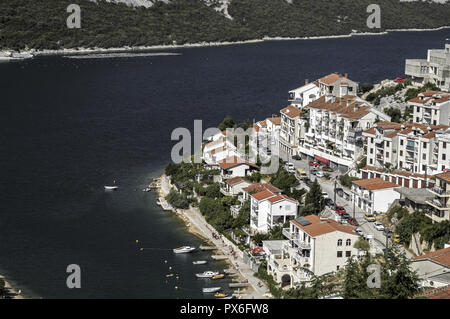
[
  {"x": 371, "y": 140},
  {"x": 387, "y": 143},
  {"x": 443, "y": 157},
  {"x": 348, "y": 253},
  {"x": 371, "y": 151},
  {"x": 401, "y": 154},
  {"x": 401, "y": 142},
  {"x": 444, "y": 144},
  {"x": 424, "y": 145},
  {"x": 424, "y": 156},
  {"x": 348, "y": 242},
  {"x": 339, "y": 254},
  {"x": 401, "y": 164},
  {"x": 387, "y": 154},
  {"x": 371, "y": 161},
  {"x": 435, "y": 112},
  {"x": 434, "y": 122},
  {"x": 337, "y": 267},
  {"x": 339, "y": 243},
  {"x": 417, "y": 120},
  {"x": 418, "y": 109}
]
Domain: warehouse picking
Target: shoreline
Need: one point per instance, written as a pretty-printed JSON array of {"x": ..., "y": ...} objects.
[
  {"x": 84, "y": 51},
  {"x": 10, "y": 291},
  {"x": 197, "y": 225}
]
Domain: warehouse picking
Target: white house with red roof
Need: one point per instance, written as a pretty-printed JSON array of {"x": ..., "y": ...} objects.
[
  {"x": 234, "y": 186},
  {"x": 374, "y": 194},
  {"x": 432, "y": 108},
  {"x": 321, "y": 245},
  {"x": 305, "y": 94},
  {"x": 433, "y": 268},
  {"x": 268, "y": 209},
  {"x": 234, "y": 166}
]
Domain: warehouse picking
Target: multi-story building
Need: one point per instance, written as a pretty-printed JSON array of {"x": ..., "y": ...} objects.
[
  {"x": 290, "y": 129},
  {"x": 268, "y": 209},
  {"x": 440, "y": 194},
  {"x": 337, "y": 85},
  {"x": 433, "y": 268},
  {"x": 413, "y": 147},
  {"x": 235, "y": 166},
  {"x": 304, "y": 95},
  {"x": 434, "y": 69},
  {"x": 335, "y": 129},
  {"x": 374, "y": 194},
  {"x": 432, "y": 108},
  {"x": 318, "y": 244}
]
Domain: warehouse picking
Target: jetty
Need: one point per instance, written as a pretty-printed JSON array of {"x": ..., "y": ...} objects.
[
  {"x": 238, "y": 285},
  {"x": 219, "y": 257},
  {"x": 204, "y": 247}
]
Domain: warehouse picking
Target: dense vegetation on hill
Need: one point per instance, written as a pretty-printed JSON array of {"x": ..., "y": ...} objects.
[{"x": 42, "y": 23}]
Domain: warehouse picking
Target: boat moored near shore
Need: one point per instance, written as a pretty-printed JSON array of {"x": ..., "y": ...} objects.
[
  {"x": 183, "y": 250},
  {"x": 207, "y": 274}
]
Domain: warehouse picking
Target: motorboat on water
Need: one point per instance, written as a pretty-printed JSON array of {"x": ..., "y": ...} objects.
[
  {"x": 111, "y": 188},
  {"x": 184, "y": 250},
  {"x": 211, "y": 289},
  {"x": 220, "y": 276},
  {"x": 207, "y": 274},
  {"x": 222, "y": 296},
  {"x": 147, "y": 189},
  {"x": 199, "y": 262}
]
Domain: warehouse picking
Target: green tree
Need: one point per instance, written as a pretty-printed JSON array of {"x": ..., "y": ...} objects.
[
  {"x": 314, "y": 198},
  {"x": 177, "y": 200},
  {"x": 226, "y": 123}
]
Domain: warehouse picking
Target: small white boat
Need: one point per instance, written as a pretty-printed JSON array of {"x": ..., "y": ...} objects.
[
  {"x": 207, "y": 274},
  {"x": 211, "y": 289},
  {"x": 199, "y": 262},
  {"x": 111, "y": 188},
  {"x": 183, "y": 250},
  {"x": 148, "y": 189}
]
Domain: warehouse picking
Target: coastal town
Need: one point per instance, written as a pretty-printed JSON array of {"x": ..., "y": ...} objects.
[{"x": 357, "y": 185}]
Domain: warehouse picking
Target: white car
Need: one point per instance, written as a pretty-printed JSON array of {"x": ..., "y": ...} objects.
[
  {"x": 359, "y": 232},
  {"x": 319, "y": 174},
  {"x": 325, "y": 195},
  {"x": 378, "y": 226}
]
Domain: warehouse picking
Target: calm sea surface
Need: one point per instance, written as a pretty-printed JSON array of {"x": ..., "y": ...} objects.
[{"x": 70, "y": 126}]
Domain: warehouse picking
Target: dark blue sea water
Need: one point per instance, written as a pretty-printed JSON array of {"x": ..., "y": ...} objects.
[{"x": 70, "y": 126}]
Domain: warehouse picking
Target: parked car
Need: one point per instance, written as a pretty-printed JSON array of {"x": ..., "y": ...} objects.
[
  {"x": 330, "y": 203},
  {"x": 345, "y": 216},
  {"x": 340, "y": 210},
  {"x": 369, "y": 218},
  {"x": 327, "y": 169},
  {"x": 313, "y": 171},
  {"x": 325, "y": 194},
  {"x": 396, "y": 238},
  {"x": 319, "y": 174},
  {"x": 378, "y": 226},
  {"x": 313, "y": 163},
  {"x": 353, "y": 221},
  {"x": 297, "y": 157},
  {"x": 359, "y": 232},
  {"x": 339, "y": 192}
]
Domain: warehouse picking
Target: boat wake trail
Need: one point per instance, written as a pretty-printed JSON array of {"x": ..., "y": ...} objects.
[{"x": 119, "y": 55}]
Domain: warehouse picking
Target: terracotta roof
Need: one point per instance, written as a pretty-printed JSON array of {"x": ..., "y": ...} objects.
[
  {"x": 265, "y": 194},
  {"x": 216, "y": 142},
  {"x": 234, "y": 161},
  {"x": 436, "y": 293},
  {"x": 348, "y": 106},
  {"x": 429, "y": 135},
  {"x": 258, "y": 187},
  {"x": 291, "y": 111},
  {"x": 444, "y": 176},
  {"x": 319, "y": 227},
  {"x": 373, "y": 184},
  {"x": 235, "y": 180},
  {"x": 441, "y": 256},
  {"x": 330, "y": 78},
  {"x": 395, "y": 172},
  {"x": 431, "y": 96},
  {"x": 275, "y": 120},
  {"x": 280, "y": 198},
  {"x": 370, "y": 131}
]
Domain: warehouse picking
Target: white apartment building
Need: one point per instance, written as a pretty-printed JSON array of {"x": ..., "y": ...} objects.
[
  {"x": 337, "y": 85},
  {"x": 259, "y": 187},
  {"x": 290, "y": 129},
  {"x": 413, "y": 147},
  {"x": 374, "y": 194},
  {"x": 305, "y": 94},
  {"x": 431, "y": 108},
  {"x": 319, "y": 244},
  {"x": 335, "y": 129},
  {"x": 434, "y": 69},
  {"x": 269, "y": 209},
  {"x": 439, "y": 201},
  {"x": 234, "y": 186}
]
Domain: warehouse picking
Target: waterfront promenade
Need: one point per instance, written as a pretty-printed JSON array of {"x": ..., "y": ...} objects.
[{"x": 205, "y": 230}]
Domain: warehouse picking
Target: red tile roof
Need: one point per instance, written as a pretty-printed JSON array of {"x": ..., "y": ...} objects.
[
  {"x": 444, "y": 176},
  {"x": 436, "y": 293},
  {"x": 319, "y": 227},
  {"x": 258, "y": 187},
  {"x": 265, "y": 194},
  {"x": 373, "y": 184},
  {"x": 330, "y": 78},
  {"x": 291, "y": 111},
  {"x": 234, "y": 161},
  {"x": 275, "y": 120},
  {"x": 441, "y": 256},
  {"x": 235, "y": 180}
]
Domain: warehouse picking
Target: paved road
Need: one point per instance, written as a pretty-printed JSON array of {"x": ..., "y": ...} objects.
[{"x": 379, "y": 239}]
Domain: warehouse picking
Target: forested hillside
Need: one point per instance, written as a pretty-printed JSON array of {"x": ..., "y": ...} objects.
[{"x": 41, "y": 24}]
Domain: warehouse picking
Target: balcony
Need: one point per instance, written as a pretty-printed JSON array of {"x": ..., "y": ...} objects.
[
  {"x": 410, "y": 148},
  {"x": 440, "y": 192},
  {"x": 438, "y": 204}
]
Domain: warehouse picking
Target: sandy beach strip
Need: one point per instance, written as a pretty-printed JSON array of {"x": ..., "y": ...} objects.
[{"x": 11, "y": 293}]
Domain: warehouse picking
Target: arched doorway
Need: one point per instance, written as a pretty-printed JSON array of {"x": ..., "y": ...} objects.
[{"x": 285, "y": 280}]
